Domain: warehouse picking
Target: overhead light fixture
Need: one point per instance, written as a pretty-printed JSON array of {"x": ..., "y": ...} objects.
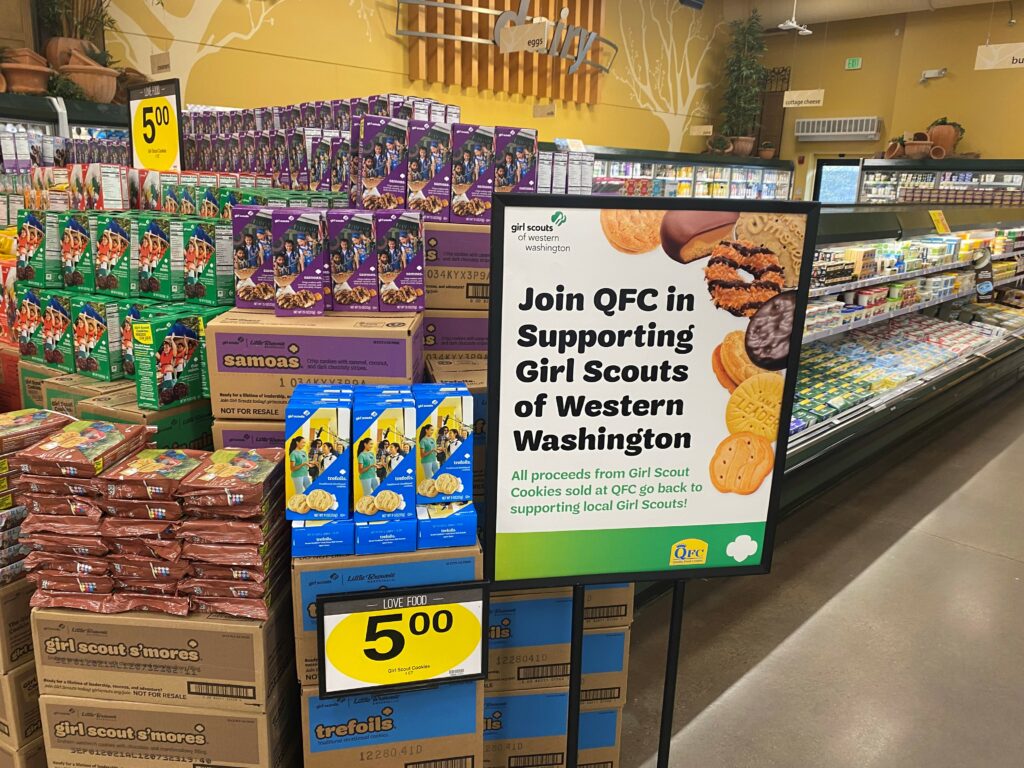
[{"x": 792, "y": 25}]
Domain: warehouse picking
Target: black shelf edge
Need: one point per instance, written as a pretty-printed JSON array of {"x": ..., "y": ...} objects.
[
  {"x": 17, "y": 106},
  {"x": 90, "y": 113},
  {"x": 683, "y": 158},
  {"x": 867, "y": 223}
]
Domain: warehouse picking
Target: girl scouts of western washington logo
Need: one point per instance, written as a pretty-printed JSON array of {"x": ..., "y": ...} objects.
[{"x": 689, "y": 552}]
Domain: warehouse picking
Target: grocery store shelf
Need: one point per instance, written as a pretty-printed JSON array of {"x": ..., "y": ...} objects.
[{"x": 827, "y": 290}]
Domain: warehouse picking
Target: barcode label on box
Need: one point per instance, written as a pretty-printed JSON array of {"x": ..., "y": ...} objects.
[
  {"x": 543, "y": 670},
  {"x": 600, "y": 694},
  {"x": 536, "y": 761},
  {"x": 447, "y": 762},
  {"x": 605, "y": 612},
  {"x": 478, "y": 291},
  {"x": 222, "y": 691}
]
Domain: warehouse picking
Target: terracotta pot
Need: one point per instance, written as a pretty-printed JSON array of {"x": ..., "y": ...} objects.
[
  {"x": 917, "y": 150},
  {"x": 945, "y": 136},
  {"x": 894, "y": 150},
  {"x": 766, "y": 154},
  {"x": 24, "y": 56},
  {"x": 724, "y": 151},
  {"x": 99, "y": 83},
  {"x": 26, "y": 78},
  {"x": 938, "y": 152},
  {"x": 58, "y": 49},
  {"x": 742, "y": 146}
]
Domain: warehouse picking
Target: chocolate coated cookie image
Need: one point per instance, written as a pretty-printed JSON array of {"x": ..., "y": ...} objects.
[{"x": 769, "y": 331}]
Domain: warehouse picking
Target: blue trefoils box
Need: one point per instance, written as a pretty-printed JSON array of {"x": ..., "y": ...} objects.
[
  {"x": 444, "y": 443},
  {"x": 446, "y": 525},
  {"x": 323, "y": 538},
  {"x": 384, "y": 456},
  {"x": 315, "y": 576},
  {"x": 380, "y": 536},
  {"x": 318, "y": 447},
  {"x": 438, "y": 726}
]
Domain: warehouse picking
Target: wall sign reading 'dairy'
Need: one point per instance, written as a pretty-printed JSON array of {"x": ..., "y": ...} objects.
[
  {"x": 400, "y": 638},
  {"x": 641, "y": 385},
  {"x": 154, "y": 110}
]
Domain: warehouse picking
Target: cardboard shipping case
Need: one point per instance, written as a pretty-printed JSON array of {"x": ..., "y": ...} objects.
[
  {"x": 455, "y": 334},
  {"x": 458, "y": 266},
  {"x": 256, "y": 359},
  {"x": 438, "y": 727},
  {"x": 183, "y": 426},
  {"x": 31, "y": 377},
  {"x": 64, "y": 393},
  {"x": 90, "y": 733},
  {"x": 247, "y": 434},
  {"x": 30, "y": 756},
  {"x": 19, "y": 707},
  {"x": 191, "y": 661},
  {"x": 314, "y": 576},
  {"x": 15, "y": 627}
]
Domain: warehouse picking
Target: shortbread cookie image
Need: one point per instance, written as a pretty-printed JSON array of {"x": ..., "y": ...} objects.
[
  {"x": 632, "y": 232},
  {"x": 447, "y": 483},
  {"x": 735, "y": 360},
  {"x": 388, "y": 501},
  {"x": 719, "y": 369},
  {"x": 755, "y": 405},
  {"x": 366, "y": 506},
  {"x": 320, "y": 500},
  {"x": 741, "y": 463},
  {"x": 427, "y": 488},
  {"x": 297, "y": 503}
]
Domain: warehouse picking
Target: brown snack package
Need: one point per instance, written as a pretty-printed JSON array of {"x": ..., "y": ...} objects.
[
  {"x": 176, "y": 606},
  {"x": 83, "y": 564},
  {"x": 142, "y": 510},
  {"x": 221, "y": 588},
  {"x": 162, "y": 549},
  {"x": 147, "y": 586},
  {"x": 230, "y": 477},
  {"x": 225, "y": 572},
  {"x": 64, "y": 525},
  {"x": 93, "y": 546},
  {"x": 127, "y": 527},
  {"x": 148, "y": 568},
  {"x": 152, "y": 473},
  {"x": 82, "y": 449},
  {"x": 225, "y": 531},
  {"x": 48, "y": 504},
  {"x": 57, "y": 486},
  {"x": 242, "y": 607},
  {"x": 249, "y": 555},
  {"x": 20, "y": 429},
  {"x": 75, "y": 600},
  {"x": 59, "y": 581}
]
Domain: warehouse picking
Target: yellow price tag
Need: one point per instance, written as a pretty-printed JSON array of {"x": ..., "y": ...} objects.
[
  {"x": 939, "y": 220},
  {"x": 156, "y": 133},
  {"x": 387, "y": 639}
]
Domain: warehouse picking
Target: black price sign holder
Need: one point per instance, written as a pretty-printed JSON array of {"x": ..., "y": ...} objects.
[{"x": 504, "y": 208}]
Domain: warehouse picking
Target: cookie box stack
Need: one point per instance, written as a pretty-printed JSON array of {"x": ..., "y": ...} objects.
[{"x": 379, "y": 470}]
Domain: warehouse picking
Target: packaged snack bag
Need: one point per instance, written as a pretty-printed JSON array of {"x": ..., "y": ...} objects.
[
  {"x": 166, "y": 358},
  {"x": 472, "y": 174},
  {"x": 351, "y": 261},
  {"x": 430, "y": 169},
  {"x": 300, "y": 269},
  {"x": 383, "y": 158},
  {"x": 97, "y": 337},
  {"x": 399, "y": 241}
]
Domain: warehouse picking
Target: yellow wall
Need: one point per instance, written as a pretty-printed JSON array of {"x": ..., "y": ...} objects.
[
  {"x": 241, "y": 53},
  {"x": 896, "y": 49}
]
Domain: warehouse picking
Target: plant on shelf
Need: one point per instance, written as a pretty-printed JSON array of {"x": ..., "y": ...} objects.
[
  {"x": 64, "y": 87},
  {"x": 767, "y": 150},
  {"x": 895, "y": 148},
  {"x": 73, "y": 25},
  {"x": 745, "y": 73},
  {"x": 946, "y": 134},
  {"x": 719, "y": 145}
]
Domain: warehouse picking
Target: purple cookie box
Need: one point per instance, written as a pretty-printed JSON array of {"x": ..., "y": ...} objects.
[
  {"x": 254, "y": 218},
  {"x": 477, "y": 181},
  {"x": 311, "y": 275},
  {"x": 394, "y": 224},
  {"x": 439, "y": 165},
  {"x": 356, "y": 226},
  {"x": 523, "y": 165},
  {"x": 393, "y": 164}
]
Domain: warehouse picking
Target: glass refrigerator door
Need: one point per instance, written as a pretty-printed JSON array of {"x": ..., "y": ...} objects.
[
  {"x": 720, "y": 187},
  {"x": 704, "y": 179},
  {"x": 684, "y": 181}
]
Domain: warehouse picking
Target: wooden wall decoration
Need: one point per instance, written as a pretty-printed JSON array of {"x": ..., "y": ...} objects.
[{"x": 467, "y": 57}]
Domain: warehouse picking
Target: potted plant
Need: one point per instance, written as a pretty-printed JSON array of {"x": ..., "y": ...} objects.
[
  {"x": 72, "y": 25},
  {"x": 741, "y": 107},
  {"x": 767, "y": 150},
  {"x": 946, "y": 134},
  {"x": 719, "y": 145},
  {"x": 24, "y": 76},
  {"x": 97, "y": 81},
  {"x": 895, "y": 148}
]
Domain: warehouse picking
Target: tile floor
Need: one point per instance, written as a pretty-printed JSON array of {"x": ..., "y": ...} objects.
[{"x": 890, "y": 632}]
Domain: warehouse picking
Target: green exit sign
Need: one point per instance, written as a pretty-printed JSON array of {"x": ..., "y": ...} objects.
[{"x": 854, "y": 62}]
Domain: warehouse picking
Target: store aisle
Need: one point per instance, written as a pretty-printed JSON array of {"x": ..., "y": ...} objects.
[{"x": 890, "y": 632}]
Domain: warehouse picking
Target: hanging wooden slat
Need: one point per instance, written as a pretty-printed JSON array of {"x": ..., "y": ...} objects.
[{"x": 482, "y": 66}]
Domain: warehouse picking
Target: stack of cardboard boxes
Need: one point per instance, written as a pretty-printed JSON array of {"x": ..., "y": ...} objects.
[
  {"x": 20, "y": 742},
  {"x": 527, "y": 694}
]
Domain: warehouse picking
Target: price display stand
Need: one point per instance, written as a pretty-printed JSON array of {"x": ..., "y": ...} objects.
[
  {"x": 641, "y": 381},
  {"x": 154, "y": 112}
]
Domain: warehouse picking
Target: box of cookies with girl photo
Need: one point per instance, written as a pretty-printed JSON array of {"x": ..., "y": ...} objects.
[{"x": 318, "y": 444}]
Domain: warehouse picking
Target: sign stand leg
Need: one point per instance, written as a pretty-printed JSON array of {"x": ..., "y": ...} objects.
[
  {"x": 572, "y": 731},
  {"x": 668, "y": 700}
]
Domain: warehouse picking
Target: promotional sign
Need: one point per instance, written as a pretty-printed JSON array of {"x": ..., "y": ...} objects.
[
  {"x": 154, "y": 110},
  {"x": 401, "y": 638},
  {"x": 1002, "y": 56},
  {"x": 641, "y": 381},
  {"x": 815, "y": 98},
  {"x": 939, "y": 220}
]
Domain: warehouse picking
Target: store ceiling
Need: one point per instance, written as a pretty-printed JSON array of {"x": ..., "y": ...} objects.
[{"x": 818, "y": 11}]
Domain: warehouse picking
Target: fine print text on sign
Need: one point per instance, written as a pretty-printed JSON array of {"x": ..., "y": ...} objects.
[
  {"x": 400, "y": 638},
  {"x": 155, "y": 126},
  {"x": 642, "y": 391},
  {"x": 794, "y": 99}
]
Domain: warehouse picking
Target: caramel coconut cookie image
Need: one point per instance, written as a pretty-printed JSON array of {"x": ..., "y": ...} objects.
[{"x": 742, "y": 276}]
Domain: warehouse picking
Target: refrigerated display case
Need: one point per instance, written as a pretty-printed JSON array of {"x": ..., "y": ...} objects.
[
  {"x": 901, "y": 332},
  {"x": 948, "y": 182},
  {"x": 62, "y": 117},
  {"x": 646, "y": 173}
]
